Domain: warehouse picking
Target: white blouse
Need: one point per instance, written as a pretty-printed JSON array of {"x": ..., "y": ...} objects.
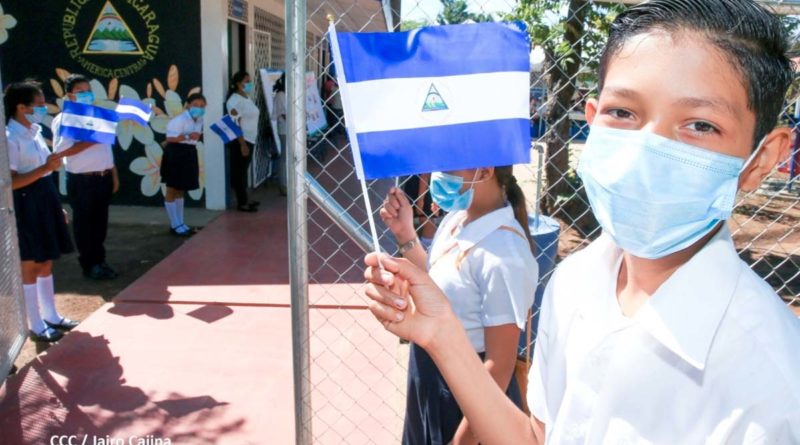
[
  {"x": 183, "y": 124},
  {"x": 27, "y": 149},
  {"x": 246, "y": 115},
  {"x": 486, "y": 269}
]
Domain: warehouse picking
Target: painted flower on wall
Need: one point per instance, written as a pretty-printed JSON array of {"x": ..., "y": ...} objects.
[
  {"x": 7, "y": 22},
  {"x": 149, "y": 168}
]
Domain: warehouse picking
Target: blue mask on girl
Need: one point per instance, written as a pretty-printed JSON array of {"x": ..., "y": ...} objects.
[
  {"x": 446, "y": 192},
  {"x": 249, "y": 87},
  {"x": 197, "y": 112},
  {"x": 655, "y": 196}
]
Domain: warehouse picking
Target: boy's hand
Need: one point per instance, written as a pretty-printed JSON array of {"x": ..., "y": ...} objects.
[
  {"x": 421, "y": 315},
  {"x": 398, "y": 215}
]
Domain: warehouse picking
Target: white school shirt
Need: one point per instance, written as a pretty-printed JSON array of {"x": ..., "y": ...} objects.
[
  {"x": 183, "y": 124},
  {"x": 97, "y": 158},
  {"x": 27, "y": 149},
  {"x": 712, "y": 358},
  {"x": 486, "y": 269},
  {"x": 247, "y": 115}
]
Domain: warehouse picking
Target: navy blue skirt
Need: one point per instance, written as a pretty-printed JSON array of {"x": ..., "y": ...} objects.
[
  {"x": 432, "y": 413},
  {"x": 180, "y": 168},
  {"x": 41, "y": 228}
]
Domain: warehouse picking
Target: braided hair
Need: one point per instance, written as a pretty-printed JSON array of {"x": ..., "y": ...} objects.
[{"x": 507, "y": 180}]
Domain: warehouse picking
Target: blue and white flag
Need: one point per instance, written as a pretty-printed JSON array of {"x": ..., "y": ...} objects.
[
  {"x": 89, "y": 123},
  {"x": 226, "y": 128},
  {"x": 134, "y": 110},
  {"x": 438, "y": 98}
]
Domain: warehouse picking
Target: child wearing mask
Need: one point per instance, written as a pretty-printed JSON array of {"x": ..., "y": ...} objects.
[{"x": 657, "y": 332}]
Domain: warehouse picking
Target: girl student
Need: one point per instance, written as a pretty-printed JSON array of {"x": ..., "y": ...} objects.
[
  {"x": 41, "y": 221},
  {"x": 180, "y": 169},
  {"x": 657, "y": 332},
  {"x": 245, "y": 112},
  {"x": 481, "y": 257}
]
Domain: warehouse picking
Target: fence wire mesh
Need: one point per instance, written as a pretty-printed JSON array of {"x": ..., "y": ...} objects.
[
  {"x": 357, "y": 372},
  {"x": 13, "y": 324}
]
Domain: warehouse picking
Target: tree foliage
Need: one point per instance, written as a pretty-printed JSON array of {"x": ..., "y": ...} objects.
[{"x": 457, "y": 11}]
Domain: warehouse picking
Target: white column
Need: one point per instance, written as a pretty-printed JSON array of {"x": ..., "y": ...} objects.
[{"x": 214, "y": 41}]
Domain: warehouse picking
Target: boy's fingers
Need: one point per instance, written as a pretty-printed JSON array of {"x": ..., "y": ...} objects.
[
  {"x": 385, "y": 296},
  {"x": 385, "y": 314},
  {"x": 378, "y": 276}
]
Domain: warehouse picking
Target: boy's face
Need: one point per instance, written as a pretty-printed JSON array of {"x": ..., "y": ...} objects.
[{"x": 684, "y": 89}]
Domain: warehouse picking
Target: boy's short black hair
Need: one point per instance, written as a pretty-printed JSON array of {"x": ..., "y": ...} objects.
[
  {"x": 74, "y": 79},
  {"x": 195, "y": 97},
  {"x": 752, "y": 38}
]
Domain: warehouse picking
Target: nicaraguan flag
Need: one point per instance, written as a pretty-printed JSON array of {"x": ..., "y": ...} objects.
[
  {"x": 438, "y": 98},
  {"x": 89, "y": 123},
  {"x": 134, "y": 110},
  {"x": 226, "y": 128}
]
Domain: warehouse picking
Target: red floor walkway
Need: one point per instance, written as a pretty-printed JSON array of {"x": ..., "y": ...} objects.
[{"x": 199, "y": 350}]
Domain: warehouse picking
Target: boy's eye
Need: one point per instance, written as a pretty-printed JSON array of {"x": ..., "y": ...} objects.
[
  {"x": 702, "y": 127},
  {"x": 619, "y": 113}
]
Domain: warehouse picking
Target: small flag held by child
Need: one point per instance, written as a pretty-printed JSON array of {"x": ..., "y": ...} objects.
[
  {"x": 134, "y": 110},
  {"x": 88, "y": 123},
  {"x": 226, "y": 129}
]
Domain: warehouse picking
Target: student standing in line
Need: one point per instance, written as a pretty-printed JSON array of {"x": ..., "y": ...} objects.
[
  {"x": 657, "y": 332},
  {"x": 180, "y": 170},
  {"x": 91, "y": 182},
  {"x": 41, "y": 222},
  {"x": 280, "y": 112},
  {"x": 245, "y": 113},
  {"x": 481, "y": 257}
]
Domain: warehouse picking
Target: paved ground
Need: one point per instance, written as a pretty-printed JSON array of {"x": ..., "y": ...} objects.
[{"x": 137, "y": 240}]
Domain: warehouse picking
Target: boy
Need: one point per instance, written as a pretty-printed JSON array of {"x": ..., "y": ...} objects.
[
  {"x": 91, "y": 181},
  {"x": 657, "y": 332}
]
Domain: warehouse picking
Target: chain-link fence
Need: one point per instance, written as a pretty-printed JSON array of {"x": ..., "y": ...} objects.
[
  {"x": 13, "y": 324},
  {"x": 350, "y": 375}
]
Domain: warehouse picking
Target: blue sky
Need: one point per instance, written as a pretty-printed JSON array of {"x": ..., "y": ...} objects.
[{"x": 428, "y": 9}]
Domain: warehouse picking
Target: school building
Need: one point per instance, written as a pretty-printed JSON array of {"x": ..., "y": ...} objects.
[{"x": 161, "y": 52}]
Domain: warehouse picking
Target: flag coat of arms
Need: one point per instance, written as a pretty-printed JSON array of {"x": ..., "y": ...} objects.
[
  {"x": 439, "y": 98},
  {"x": 90, "y": 123}
]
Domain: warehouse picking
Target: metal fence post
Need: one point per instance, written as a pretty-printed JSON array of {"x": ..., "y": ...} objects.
[
  {"x": 298, "y": 229},
  {"x": 13, "y": 324}
]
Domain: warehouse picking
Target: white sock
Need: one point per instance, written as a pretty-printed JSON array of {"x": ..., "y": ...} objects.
[
  {"x": 172, "y": 213},
  {"x": 179, "y": 213},
  {"x": 47, "y": 299},
  {"x": 35, "y": 322}
]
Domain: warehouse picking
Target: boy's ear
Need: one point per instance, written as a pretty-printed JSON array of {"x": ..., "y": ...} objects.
[
  {"x": 775, "y": 149},
  {"x": 591, "y": 110}
]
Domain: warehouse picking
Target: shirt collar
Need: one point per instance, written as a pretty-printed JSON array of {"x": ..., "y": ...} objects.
[
  {"x": 684, "y": 314},
  {"x": 477, "y": 230},
  {"x": 17, "y": 127}
]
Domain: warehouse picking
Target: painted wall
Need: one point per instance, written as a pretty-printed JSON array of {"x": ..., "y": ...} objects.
[{"x": 146, "y": 49}]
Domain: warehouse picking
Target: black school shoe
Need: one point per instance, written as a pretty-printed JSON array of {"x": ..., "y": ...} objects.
[
  {"x": 109, "y": 270},
  {"x": 48, "y": 335},
  {"x": 181, "y": 233},
  {"x": 65, "y": 324},
  {"x": 99, "y": 273}
]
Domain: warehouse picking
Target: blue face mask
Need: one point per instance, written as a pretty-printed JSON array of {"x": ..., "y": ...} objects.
[
  {"x": 655, "y": 196},
  {"x": 249, "y": 87},
  {"x": 84, "y": 97},
  {"x": 197, "y": 112},
  {"x": 446, "y": 191},
  {"x": 38, "y": 115}
]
